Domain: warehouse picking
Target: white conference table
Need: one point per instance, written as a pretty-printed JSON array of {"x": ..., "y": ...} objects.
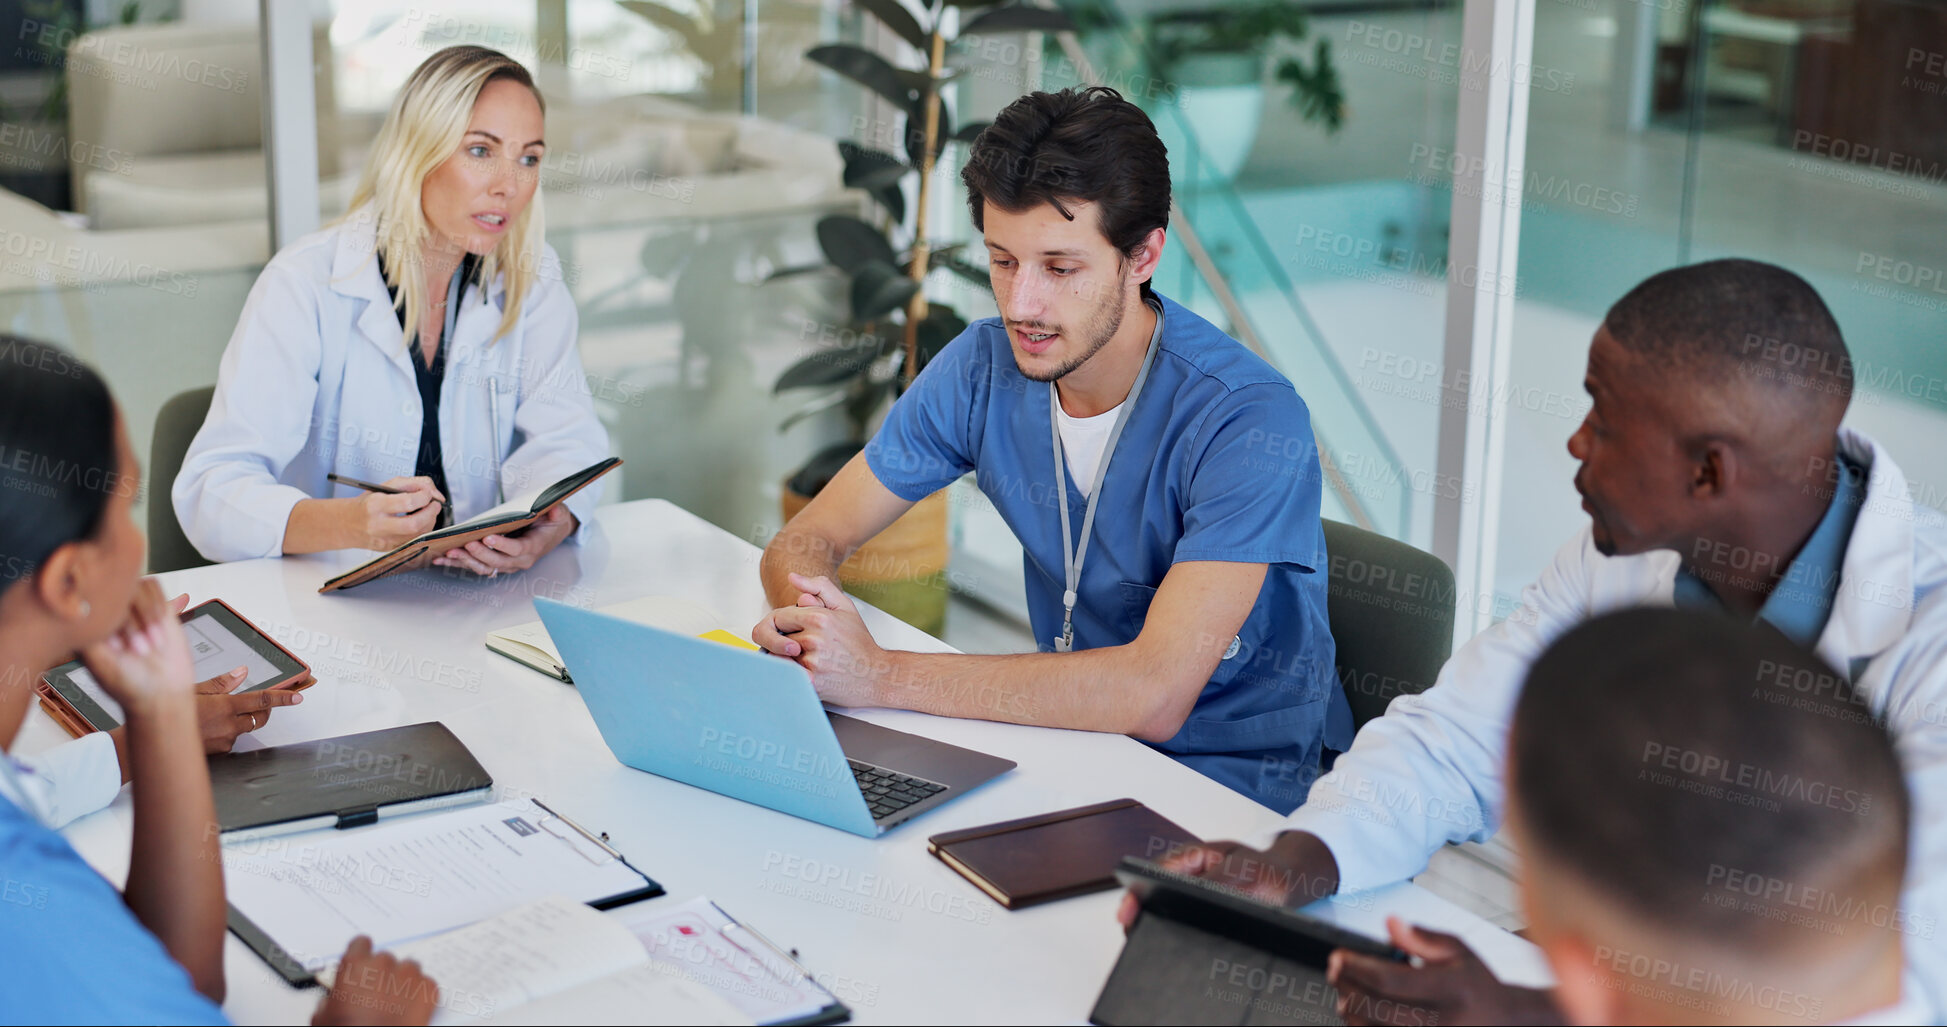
[{"x": 891, "y": 930}]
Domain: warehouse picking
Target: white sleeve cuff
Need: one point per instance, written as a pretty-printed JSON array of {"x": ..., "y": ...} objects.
[{"x": 76, "y": 778}]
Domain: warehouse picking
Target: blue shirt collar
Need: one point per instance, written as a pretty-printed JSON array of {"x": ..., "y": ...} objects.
[{"x": 1802, "y": 602}]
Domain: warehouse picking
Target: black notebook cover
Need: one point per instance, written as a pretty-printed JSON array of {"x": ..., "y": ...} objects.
[{"x": 350, "y": 777}]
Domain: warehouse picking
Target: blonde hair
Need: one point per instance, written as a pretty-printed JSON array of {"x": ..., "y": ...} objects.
[{"x": 423, "y": 129}]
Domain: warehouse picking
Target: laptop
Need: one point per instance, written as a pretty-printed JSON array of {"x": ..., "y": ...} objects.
[{"x": 749, "y": 725}]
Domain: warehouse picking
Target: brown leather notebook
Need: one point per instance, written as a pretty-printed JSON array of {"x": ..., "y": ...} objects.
[
  {"x": 1053, "y": 856},
  {"x": 505, "y": 519}
]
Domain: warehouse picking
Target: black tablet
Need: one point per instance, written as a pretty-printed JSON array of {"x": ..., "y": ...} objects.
[
  {"x": 1227, "y": 911},
  {"x": 220, "y": 640},
  {"x": 1204, "y": 953}
]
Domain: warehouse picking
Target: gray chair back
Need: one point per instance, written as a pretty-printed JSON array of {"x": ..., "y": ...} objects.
[
  {"x": 175, "y": 427},
  {"x": 1392, "y": 611}
]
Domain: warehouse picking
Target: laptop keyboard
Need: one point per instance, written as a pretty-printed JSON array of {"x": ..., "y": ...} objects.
[{"x": 888, "y": 792}]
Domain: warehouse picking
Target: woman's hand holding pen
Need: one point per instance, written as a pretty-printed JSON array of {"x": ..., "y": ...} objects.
[{"x": 387, "y": 520}]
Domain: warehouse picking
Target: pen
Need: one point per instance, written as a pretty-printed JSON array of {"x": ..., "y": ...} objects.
[
  {"x": 445, "y": 511},
  {"x": 357, "y": 484}
]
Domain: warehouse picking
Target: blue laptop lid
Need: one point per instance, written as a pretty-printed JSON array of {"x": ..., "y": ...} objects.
[{"x": 736, "y": 722}]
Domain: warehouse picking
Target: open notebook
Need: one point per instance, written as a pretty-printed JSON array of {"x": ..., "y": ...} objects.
[
  {"x": 558, "y": 961},
  {"x": 505, "y": 519},
  {"x": 529, "y": 643}
]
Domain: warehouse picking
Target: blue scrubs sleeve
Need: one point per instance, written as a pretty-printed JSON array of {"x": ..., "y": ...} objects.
[
  {"x": 1255, "y": 487},
  {"x": 927, "y": 441}
]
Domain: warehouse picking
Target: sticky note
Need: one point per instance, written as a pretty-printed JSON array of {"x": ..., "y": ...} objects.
[{"x": 726, "y": 638}]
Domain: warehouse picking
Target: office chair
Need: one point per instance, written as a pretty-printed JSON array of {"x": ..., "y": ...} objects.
[
  {"x": 175, "y": 427},
  {"x": 1392, "y": 612}
]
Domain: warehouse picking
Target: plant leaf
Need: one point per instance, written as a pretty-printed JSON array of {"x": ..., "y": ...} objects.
[
  {"x": 879, "y": 289},
  {"x": 800, "y": 269},
  {"x": 964, "y": 4},
  {"x": 1316, "y": 91},
  {"x": 673, "y": 22},
  {"x": 1018, "y": 18},
  {"x": 867, "y": 69},
  {"x": 864, "y": 398},
  {"x": 893, "y": 200},
  {"x": 852, "y": 243},
  {"x": 896, "y": 17},
  {"x": 966, "y": 269},
  {"x": 824, "y": 403},
  {"x": 970, "y": 131},
  {"x": 942, "y": 325},
  {"x": 832, "y": 365},
  {"x": 825, "y": 464},
  {"x": 939, "y": 253},
  {"x": 916, "y": 130},
  {"x": 870, "y": 169}
]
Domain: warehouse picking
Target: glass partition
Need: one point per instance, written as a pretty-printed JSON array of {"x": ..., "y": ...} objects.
[
  {"x": 1807, "y": 133},
  {"x": 131, "y": 192}
]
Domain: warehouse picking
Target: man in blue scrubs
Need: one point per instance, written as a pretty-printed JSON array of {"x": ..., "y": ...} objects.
[{"x": 1183, "y": 601}]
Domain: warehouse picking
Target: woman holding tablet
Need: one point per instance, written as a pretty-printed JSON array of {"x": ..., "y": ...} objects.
[
  {"x": 72, "y": 950},
  {"x": 425, "y": 342}
]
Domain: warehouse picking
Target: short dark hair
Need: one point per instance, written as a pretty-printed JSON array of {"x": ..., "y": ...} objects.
[
  {"x": 1660, "y": 755},
  {"x": 1088, "y": 145},
  {"x": 58, "y": 462},
  {"x": 1747, "y": 318}
]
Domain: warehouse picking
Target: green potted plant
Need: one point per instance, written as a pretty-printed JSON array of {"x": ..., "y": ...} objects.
[
  {"x": 1216, "y": 55},
  {"x": 892, "y": 329}
]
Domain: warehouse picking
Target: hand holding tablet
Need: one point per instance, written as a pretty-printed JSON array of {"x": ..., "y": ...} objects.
[{"x": 220, "y": 640}]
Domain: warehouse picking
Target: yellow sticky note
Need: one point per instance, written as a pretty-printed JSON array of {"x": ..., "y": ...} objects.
[{"x": 726, "y": 638}]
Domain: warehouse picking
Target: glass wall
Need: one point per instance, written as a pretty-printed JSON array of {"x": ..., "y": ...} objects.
[
  {"x": 1808, "y": 133},
  {"x": 1308, "y": 151},
  {"x": 667, "y": 205},
  {"x": 131, "y": 189}
]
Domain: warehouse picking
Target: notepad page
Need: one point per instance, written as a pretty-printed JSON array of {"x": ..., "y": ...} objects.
[
  {"x": 534, "y": 950},
  {"x": 646, "y": 994}
]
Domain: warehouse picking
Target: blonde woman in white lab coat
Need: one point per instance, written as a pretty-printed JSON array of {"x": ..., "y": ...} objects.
[{"x": 485, "y": 400}]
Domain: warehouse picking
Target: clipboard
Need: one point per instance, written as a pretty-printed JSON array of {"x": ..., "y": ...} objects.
[
  {"x": 286, "y": 891},
  {"x": 422, "y": 551},
  {"x": 723, "y": 953}
]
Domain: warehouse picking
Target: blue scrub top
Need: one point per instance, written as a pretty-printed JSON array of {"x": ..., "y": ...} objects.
[
  {"x": 70, "y": 950},
  {"x": 1217, "y": 462}
]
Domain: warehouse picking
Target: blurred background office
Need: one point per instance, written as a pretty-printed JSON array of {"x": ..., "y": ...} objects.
[{"x": 1411, "y": 206}]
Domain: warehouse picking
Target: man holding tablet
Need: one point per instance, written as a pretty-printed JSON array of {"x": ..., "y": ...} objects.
[
  {"x": 1162, "y": 479},
  {"x": 1716, "y": 477}
]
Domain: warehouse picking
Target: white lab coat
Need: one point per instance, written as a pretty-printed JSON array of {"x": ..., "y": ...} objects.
[
  {"x": 1429, "y": 772},
  {"x": 317, "y": 379}
]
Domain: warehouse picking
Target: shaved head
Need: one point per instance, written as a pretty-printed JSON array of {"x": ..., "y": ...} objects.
[{"x": 1742, "y": 351}]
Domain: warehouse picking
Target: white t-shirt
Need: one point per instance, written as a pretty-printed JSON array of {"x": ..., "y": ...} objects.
[{"x": 1083, "y": 441}]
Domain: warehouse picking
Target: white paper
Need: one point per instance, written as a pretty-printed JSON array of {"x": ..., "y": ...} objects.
[
  {"x": 536, "y": 950},
  {"x": 556, "y": 961},
  {"x": 666, "y": 612},
  {"x": 698, "y": 939},
  {"x": 414, "y": 877},
  {"x": 645, "y": 994}
]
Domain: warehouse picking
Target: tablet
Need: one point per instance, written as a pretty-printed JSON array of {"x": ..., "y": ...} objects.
[
  {"x": 1201, "y": 952},
  {"x": 1225, "y": 910},
  {"x": 220, "y": 639}
]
